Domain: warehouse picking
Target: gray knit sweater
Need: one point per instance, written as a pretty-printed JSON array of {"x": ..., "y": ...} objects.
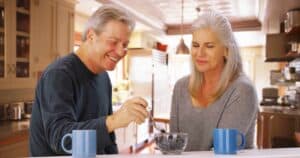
[{"x": 236, "y": 108}]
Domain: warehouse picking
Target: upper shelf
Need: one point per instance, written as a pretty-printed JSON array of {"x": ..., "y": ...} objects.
[{"x": 274, "y": 13}]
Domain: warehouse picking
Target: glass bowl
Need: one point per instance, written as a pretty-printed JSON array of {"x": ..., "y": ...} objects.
[{"x": 171, "y": 143}]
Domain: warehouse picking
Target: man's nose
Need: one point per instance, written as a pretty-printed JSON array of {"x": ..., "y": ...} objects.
[{"x": 121, "y": 50}]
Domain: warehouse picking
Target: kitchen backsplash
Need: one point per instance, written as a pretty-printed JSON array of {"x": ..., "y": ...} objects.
[{"x": 14, "y": 95}]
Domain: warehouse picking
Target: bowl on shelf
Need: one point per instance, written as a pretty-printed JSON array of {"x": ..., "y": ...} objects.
[{"x": 171, "y": 143}]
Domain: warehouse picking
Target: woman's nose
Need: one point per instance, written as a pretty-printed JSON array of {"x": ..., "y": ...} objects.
[{"x": 200, "y": 51}]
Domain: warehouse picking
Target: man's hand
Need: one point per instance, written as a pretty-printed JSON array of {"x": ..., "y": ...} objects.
[{"x": 133, "y": 110}]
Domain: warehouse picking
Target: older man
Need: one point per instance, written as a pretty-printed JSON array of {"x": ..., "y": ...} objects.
[{"x": 74, "y": 92}]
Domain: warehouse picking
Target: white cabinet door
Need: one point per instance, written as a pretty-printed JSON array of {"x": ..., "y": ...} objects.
[
  {"x": 64, "y": 28},
  {"x": 50, "y": 26},
  {"x": 17, "y": 44}
]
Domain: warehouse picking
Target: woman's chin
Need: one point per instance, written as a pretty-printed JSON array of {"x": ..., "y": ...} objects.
[{"x": 202, "y": 69}]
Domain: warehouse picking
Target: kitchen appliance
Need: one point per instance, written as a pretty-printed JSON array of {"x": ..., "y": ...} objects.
[
  {"x": 296, "y": 64},
  {"x": 285, "y": 100},
  {"x": 28, "y": 109},
  {"x": 289, "y": 73},
  {"x": 270, "y": 96},
  {"x": 15, "y": 111},
  {"x": 292, "y": 23},
  {"x": 3, "y": 111},
  {"x": 294, "y": 46},
  {"x": 276, "y": 76}
]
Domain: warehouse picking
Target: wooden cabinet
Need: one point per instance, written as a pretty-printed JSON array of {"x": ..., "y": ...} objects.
[
  {"x": 63, "y": 29},
  {"x": 15, "y": 43},
  {"x": 278, "y": 47},
  {"x": 277, "y": 129},
  {"x": 32, "y": 35}
]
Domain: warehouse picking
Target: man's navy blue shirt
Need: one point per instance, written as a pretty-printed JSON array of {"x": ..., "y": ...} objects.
[{"x": 68, "y": 97}]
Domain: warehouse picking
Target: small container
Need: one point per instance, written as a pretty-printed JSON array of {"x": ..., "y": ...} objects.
[
  {"x": 15, "y": 111},
  {"x": 28, "y": 109},
  {"x": 3, "y": 112},
  {"x": 294, "y": 47},
  {"x": 293, "y": 74},
  {"x": 287, "y": 26}
]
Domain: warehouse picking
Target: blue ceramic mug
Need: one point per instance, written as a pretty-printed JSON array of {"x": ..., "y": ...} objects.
[
  {"x": 84, "y": 143},
  {"x": 225, "y": 141}
]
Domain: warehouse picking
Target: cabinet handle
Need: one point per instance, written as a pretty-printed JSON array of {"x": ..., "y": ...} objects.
[
  {"x": 262, "y": 131},
  {"x": 14, "y": 68},
  {"x": 270, "y": 130},
  {"x": 9, "y": 68}
]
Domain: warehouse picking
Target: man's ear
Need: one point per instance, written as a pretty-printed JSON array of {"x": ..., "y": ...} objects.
[{"x": 90, "y": 34}]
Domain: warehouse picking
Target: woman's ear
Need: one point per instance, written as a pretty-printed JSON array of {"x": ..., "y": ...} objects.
[{"x": 226, "y": 53}]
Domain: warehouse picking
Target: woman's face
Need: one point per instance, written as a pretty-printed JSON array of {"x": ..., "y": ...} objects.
[{"x": 207, "y": 51}]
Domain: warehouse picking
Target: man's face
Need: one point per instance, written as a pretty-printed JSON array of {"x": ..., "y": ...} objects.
[{"x": 109, "y": 46}]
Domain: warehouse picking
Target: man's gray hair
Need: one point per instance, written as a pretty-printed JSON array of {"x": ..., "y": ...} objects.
[{"x": 105, "y": 14}]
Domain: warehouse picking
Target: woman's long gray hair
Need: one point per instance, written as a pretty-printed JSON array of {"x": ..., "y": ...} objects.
[
  {"x": 105, "y": 14},
  {"x": 233, "y": 63}
]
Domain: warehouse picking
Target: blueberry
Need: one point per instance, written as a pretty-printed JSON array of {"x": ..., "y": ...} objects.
[
  {"x": 170, "y": 143},
  {"x": 179, "y": 142},
  {"x": 170, "y": 137}
]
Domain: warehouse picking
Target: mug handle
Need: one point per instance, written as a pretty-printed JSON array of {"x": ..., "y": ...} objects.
[
  {"x": 63, "y": 142},
  {"x": 242, "y": 146}
]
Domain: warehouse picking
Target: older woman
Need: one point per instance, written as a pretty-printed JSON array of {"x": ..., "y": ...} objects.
[{"x": 217, "y": 93}]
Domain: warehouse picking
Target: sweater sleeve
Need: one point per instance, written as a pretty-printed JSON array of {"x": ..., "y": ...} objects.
[
  {"x": 241, "y": 109},
  {"x": 58, "y": 114}
]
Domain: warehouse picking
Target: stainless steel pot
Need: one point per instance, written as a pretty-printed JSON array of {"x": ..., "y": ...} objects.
[
  {"x": 14, "y": 111},
  {"x": 28, "y": 109},
  {"x": 292, "y": 19},
  {"x": 3, "y": 112}
]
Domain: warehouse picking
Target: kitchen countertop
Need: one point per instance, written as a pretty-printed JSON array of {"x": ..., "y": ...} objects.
[
  {"x": 13, "y": 131},
  {"x": 252, "y": 153},
  {"x": 280, "y": 110}
]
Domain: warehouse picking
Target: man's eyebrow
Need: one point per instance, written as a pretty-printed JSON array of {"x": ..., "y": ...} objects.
[{"x": 118, "y": 39}]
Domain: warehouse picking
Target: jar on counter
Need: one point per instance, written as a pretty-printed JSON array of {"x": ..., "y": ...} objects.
[
  {"x": 295, "y": 47},
  {"x": 3, "y": 112},
  {"x": 15, "y": 110},
  {"x": 27, "y": 109}
]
